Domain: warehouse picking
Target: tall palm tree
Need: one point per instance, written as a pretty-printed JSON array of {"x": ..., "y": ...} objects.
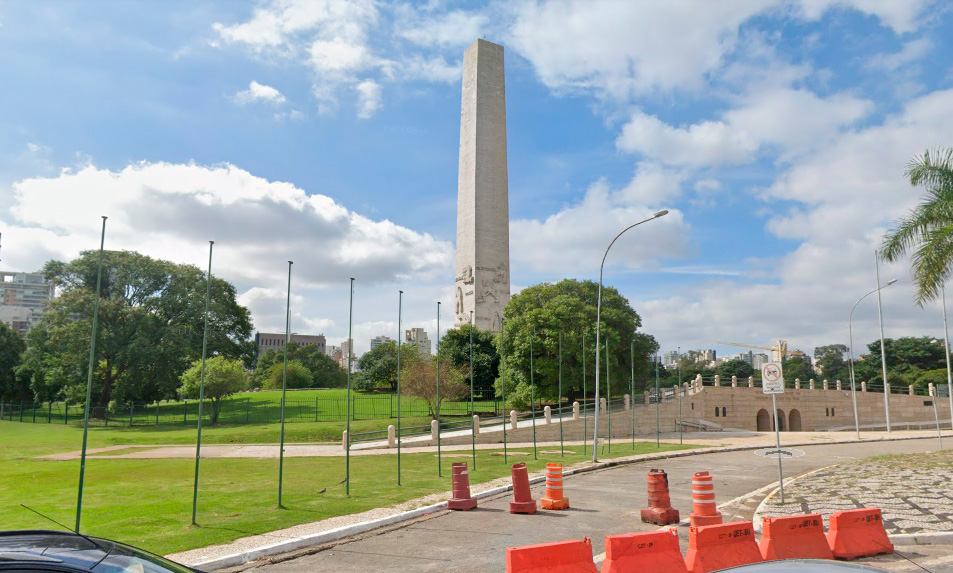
[{"x": 928, "y": 229}]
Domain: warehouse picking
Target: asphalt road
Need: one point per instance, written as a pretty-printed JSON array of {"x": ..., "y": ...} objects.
[{"x": 602, "y": 503}]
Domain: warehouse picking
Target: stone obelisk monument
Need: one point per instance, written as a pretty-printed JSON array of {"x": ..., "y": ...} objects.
[{"x": 483, "y": 217}]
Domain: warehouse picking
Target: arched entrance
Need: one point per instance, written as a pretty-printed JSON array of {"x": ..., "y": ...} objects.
[
  {"x": 781, "y": 420},
  {"x": 794, "y": 421},
  {"x": 764, "y": 420}
]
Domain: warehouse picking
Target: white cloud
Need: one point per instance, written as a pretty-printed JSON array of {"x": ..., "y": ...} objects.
[
  {"x": 370, "y": 98},
  {"x": 704, "y": 143},
  {"x": 910, "y": 52},
  {"x": 257, "y": 92},
  {"x": 36, "y": 148},
  {"x": 456, "y": 28},
  {"x": 901, "y": 17}
]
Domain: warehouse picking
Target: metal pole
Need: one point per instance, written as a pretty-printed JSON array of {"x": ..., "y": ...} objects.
[
  {"x": 503, "y": 383},
  {"x": 946, "y": 345},
  {"x": 608, "y": 399},
  {"x": 936, "y": 417},
  {"x": 595, "y": 427},
  {"x": 472, "y": 410},
  {"x": 400, "y": 306},
  {"x": 632, "y": 387},
  {"x": 678, "y": 361},
  {"x": 284, "y": 387},
  {"x": 439, "y": 470},
  {"x": 850, "y": 348},
  {"x": 198, "y": 443},
  {"x": 559, "y": 401},
  {"x": 585, "y": 413},
  {"x": 777, "y": 437},
  {"x": 89, "y": 379},
  {"x": 658, "y": 403},
  {"x": 347, "y": 441},
  {"x": 883, "y": 355},
  {"x": 532, "y": 391}
]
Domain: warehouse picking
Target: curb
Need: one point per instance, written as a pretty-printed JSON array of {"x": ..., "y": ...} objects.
[{"x": 339, "y": 533}]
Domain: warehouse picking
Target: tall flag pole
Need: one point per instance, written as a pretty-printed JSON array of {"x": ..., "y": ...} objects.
[
  {"x": 439, "y": 470},
  {"x": 284, "y": 387},
  {"x": 347, "y": 432},
  {"x": 400, "y": 305},
  {"x": 198, "y": 443},
  {"x": 89, "y": 378},
  {"x": 503, "y": 384}
]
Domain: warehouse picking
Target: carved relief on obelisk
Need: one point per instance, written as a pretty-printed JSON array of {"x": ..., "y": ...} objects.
[{"x": 483, "y": 218}]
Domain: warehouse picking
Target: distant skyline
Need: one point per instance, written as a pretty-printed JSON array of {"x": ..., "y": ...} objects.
[{"x": 326, "y": 132}]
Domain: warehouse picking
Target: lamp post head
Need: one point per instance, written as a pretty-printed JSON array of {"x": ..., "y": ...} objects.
[
  {"x": 661, "y": 213},
  {"x": 890, "y": 282}
]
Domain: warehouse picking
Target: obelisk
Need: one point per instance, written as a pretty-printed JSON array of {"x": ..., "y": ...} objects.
[{"x": 483, "y": 217}]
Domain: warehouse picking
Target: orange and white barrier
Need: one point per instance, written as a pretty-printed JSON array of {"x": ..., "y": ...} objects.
[
  {"x": 654, "y": 551},
  {"x": 794, "y": 537},
  {"x": 704, "y": 511},
  {"x": 560, "y": 557},
  {"x": 714, "y": 547},
  {"x": 554, "y": 498},
  {"x": 858, "y": 533}
]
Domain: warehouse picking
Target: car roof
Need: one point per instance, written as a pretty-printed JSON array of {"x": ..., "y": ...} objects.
[{"x": 52, "y": 546}]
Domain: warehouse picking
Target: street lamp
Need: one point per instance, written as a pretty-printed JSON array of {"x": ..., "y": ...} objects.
[
  {"x": 595, "y": 426},
  {"x": 850, "y": 335}
]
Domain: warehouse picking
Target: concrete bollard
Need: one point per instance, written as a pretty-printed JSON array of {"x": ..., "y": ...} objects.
[
  {"x": 434, "y": 429},
  {"x": 863, "y": 386},
  {"x": 930, "y": 388},
  {"x": 645, "y": 397},
  {"x": 839, "y": 385},
  {"x": 887, "y": 389},
  {"x": 548, "y": 414},
  {"x": 797, "y": 383},
  {"x": 344, "y": 440},
  {"x": 750, "y": 381},
  {"x": 734, "y": 381},
  {"x": 911, "y": 391},
  {"x": 476, "y": 425},
  {"x": 514, "y": 419},
  {"x": 575, "y": 410},
  {"x": 675, "y": 392},
  {"x": 813, "y": 384},
  {"x": 826, "y": 385},
  {"x": 391, "y": 436},
  {"x": 717, "y": 380},
  {"x": 627, "y": 401},
  {"x": 602, "y": 405}
]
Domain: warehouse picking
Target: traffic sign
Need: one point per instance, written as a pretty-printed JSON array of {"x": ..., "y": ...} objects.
[{"x": 772, "y": 378}]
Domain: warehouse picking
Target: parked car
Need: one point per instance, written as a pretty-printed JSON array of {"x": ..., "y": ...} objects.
[{"x": 67, "y": 552}]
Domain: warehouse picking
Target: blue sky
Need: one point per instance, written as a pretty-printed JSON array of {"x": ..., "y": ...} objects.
[{"x": 775, "y": 132}]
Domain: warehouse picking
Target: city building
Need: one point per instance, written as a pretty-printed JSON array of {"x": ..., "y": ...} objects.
[
  {"x": 276, "y": 341},
  {"x": 418, "y": 336},
  {"x": 759, "y": 360},
  {"x": 347, "y": 348},
  {"x": 670, "y": 358},
  {"x": 702, "y": 356},
  {"x": 378, "y": 340},
  {"x": 24, "y": 298}
]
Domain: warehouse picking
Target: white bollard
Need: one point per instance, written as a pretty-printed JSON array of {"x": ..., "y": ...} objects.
[
  {"x": 734, "y": 381},
  {"x": 717, "y": 380},
  {"x": 602, "y": 405},
  {"x": 645, "y": 397},
  {"x": 514, "y": 419},
  {"x": 813, "y": 384},
  {"x": 826, "y": 385},
  {"x": 476, "y": 425},
  {"x": 434, "y": 430},
  {"x": 548, "y": 413},
  {"x": 627, "y": 401},
  {"x": 750, "y": 381},
  {"x": 575, "y": 410},
  {"x": 863, "y": 386},
  {"x": 797, "y": 383},
  {"x": 839, "y": 385},
  {"x": 391, "y": 436},
  {"x": 344, "y": 440}
]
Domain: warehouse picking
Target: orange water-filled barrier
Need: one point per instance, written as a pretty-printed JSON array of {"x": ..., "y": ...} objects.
[
  {"x": 560, "y": 557},
  {"x": 714, "y": 547},
  {"x": 655, "y": 551},
  {"x": 858, "y": 533},
  {"x": 794, "y": 537}
]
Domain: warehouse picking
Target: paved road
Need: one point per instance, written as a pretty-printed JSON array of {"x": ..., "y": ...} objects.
[{"x": 603, "y": 502}]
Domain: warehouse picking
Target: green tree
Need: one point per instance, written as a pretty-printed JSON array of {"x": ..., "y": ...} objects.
[
  {"x": 543, "y": 311},
  {"x": 907, "y": 359},
  {"x": 325, "y": 372},
  {"x": 928, "y": 229},
  {"x": 223, "y": 377},
  {"x": 151, "y": 321},
  {"x": 379, "y": 366},
  {"x": 796, "y": 367},
  {"x": 298, "y": 376},
  {"x": 830, "y": 363},
  {"x": 419, "y": 379},
  {"x": 11, "y": 352},
  {"x": 455, "y": 349},
  {"x": 738, "y": 368}
]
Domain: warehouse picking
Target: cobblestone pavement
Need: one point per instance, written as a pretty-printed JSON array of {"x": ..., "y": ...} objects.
[{"x": 912, "y": 491}]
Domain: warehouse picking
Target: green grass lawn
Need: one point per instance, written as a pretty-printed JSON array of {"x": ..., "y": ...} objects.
[{"x": 149, "y": 502}]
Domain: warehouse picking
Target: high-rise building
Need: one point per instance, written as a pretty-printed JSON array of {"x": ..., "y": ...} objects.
[
  {"x": 483, "y": 222},
  {"x": 347, "y": 349},
  {"x": 670, "y": 358},
  {"x": 24, "y": 298},
  {"x": 378, "y": 340},
  {"x": 418, "y": 336},
  {"x": 276, "y": 341},
  {"x": 759, "y": 360}
]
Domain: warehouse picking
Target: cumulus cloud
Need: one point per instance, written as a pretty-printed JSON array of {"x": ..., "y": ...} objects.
[
  {"x": 257, "y": 92},
  {"x": 456, "y": 28},
  {"x": 369, "y": 100}
]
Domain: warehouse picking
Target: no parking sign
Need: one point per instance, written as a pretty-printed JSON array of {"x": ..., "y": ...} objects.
[{"x": 772, "y": 378}]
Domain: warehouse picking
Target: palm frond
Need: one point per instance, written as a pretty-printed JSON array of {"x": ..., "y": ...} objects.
[
  {"x": 932, "y": 263},
  {"x": 933, "y": 169}
]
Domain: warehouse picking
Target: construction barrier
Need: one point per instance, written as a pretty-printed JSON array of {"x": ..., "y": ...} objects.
[
  {"x": 461, "y": 500},
  {"x": 654, "y": 551},
  {"x": 523, "y": 501},
  {"x": 714, "y": 547},
  {"x": 858, "y": 533},
  {"x": 560, "y": 557},
  {"x": 794, "y": 537},
  {"x": 660, "y": 510},
  {"x": 704, "y": 511},
  {"x": 554, "y": 498}
]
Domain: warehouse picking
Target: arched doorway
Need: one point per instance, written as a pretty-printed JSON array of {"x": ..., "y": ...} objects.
[
  {"x": 764, "y": 421},
  {"x": 781, "y": 420},
  {"x": 794, "y": 421}
]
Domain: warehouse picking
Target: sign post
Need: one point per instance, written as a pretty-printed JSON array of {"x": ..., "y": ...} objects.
[{"x": 772, "y": 382}]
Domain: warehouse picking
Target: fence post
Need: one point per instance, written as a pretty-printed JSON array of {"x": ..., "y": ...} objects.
[
  {"x": 185, "y": 412},
  {"x": 106, "y": 414},
  {"x": 132, "y": 409},
  {"x": 21, "y": 410},
  {"x": 65, "y": 412},
  {"x": 315, "y": 408},
  {"x": 247, "y": 404},
  {"x": 49, "y": 417},
  {"x": 34, "y": 411},
  {"x": 391, "y": 405},
  {"x": 157, "y": 412}
]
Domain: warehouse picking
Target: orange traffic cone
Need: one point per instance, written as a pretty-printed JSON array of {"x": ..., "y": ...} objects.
[
  {"x": 461, "y": 489},
  {"x": 554, "y": 489},
  {"x": 704, "y": 511},
  {"x": 523, "y": 501},
  {"x": 660, "y": 510}
]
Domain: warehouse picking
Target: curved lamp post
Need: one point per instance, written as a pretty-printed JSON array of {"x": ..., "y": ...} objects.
[
  {"x": 595, "y": 426},
  {"x": 850, "y": 349}
]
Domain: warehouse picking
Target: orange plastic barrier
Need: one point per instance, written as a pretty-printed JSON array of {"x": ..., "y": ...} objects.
[
  {"x": 704, "y": 511},
  {"x": 660, "y": 510},
  {"x": 858, "y": 533},
  {"x": 560, "y": 557},
  {"x": 461, "y": 489},
  {"x": 714, "y": 547},
  {"x": 554, "y": 489},
  {"x": 523, "y": 501},
  {"x": 655, "y": 551},
  {"x": 794, "y": 537}
]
